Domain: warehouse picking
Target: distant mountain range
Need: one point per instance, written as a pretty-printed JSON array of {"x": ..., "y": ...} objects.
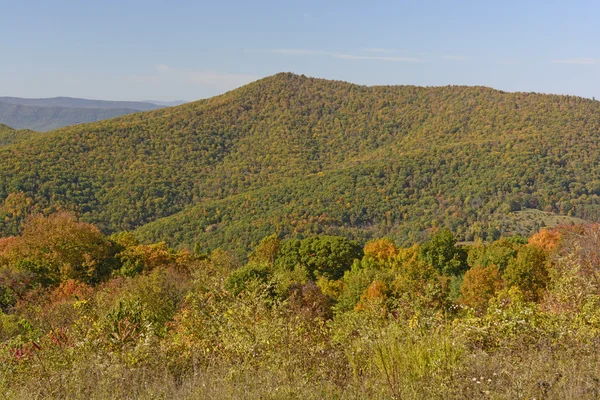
[
  {"x": 166, "y": 103},
  {"x": 70, "y": 102},
  {"x": 57, "y": 112}
]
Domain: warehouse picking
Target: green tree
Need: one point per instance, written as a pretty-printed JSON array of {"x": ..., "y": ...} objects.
[
  {"x": 529, "y": 272},
  {"x": 267, "y": 250},
  {"x": 322, "y": 256},
  {"x": 498, "y": 253},
  {"x": 239, "y": 279},
  {"x": 443, "y": 254}
]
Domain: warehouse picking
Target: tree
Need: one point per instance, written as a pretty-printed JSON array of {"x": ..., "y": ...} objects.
[
  {"x": 58, "y": 247},
  {"x": 442, "y": 253},
  {"x": 239, "y": 279},
  {"x": 419, "y": 286},
  {"x": 548, "y": 239},
  {"x": 267, "y": 250},
  {"x": 480, "y": 284},
  {"x": 374, "y": 297},
  {"x": 498, "y": 253},
  {"x": 528, "y": 272},
  {"x": 327, "y": 256},
  {"x": 382, "y": 252},
  {"x": 146, "y": 257}
]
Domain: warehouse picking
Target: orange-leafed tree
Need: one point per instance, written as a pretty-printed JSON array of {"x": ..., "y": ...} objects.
[
  {"x": 479, "y": 286},
  {"x": 58, "y": 247},
  {"x": 381, "y": 250},
  {"x": 374, "y": 297},
  {"x": 546, "y": 239}
]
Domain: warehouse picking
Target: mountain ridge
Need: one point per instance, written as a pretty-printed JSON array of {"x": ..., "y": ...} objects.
[
  {"x": 75, "y": 102},
  {"x": 53, "y": 113},
  {"x": 331, "y": 156}
]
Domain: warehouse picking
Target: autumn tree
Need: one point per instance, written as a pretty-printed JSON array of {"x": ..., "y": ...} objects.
[
  {"x": 58, "y": 247},
  {"x": 266, "y": 252},
  {"x": 480, "y": 284},
  {"x": 146, "y": 257},
  {"x": 419, "y": 286},
  {"x": 374, "y": 297},
  {"x": 546, "y": 239},
  {"x": 529, "y": 272},
  {"x": 381, "y": 252}
]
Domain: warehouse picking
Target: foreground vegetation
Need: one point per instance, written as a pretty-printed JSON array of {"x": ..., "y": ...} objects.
[{"x": 90, "y": 316}]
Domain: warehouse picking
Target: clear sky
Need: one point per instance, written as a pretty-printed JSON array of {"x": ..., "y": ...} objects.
[{"x": 187, "y": 50}]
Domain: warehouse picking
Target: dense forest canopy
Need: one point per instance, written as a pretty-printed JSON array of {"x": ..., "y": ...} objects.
[
  {"x": 302, "y": 156},
  {"x": 9, "y": 135}
]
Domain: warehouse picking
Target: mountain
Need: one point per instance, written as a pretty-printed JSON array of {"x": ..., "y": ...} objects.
[
  {"x": 47, "y": 114},
  {"x": 167, "y": 103},
  {"x": 44, "y": 119},
  {"x": 9, "y": 135},
  {"x": 70, "y": 102},
  {"x": 298, "y": 156}
]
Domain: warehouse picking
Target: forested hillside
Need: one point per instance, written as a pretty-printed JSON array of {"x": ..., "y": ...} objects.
[
  {"x": 299, "y": 156},
  {"x": 9, "y": 135},
  {"x": 303, "y": 237}
]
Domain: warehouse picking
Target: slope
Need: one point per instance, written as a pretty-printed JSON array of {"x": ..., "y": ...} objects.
[
  {"x": 299, "y": 155},
  {"x": 9, "y": 135}
]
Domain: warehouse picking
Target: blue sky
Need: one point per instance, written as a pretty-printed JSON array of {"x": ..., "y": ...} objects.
[{"x": 171, "y": 50}]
